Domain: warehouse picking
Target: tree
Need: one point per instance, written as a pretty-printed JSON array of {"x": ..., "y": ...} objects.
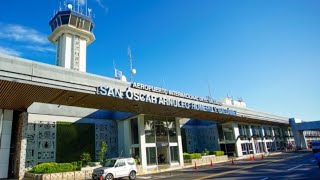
[
  {"x": 85, "y": 158},
  {"x": 102, "y": 152}
]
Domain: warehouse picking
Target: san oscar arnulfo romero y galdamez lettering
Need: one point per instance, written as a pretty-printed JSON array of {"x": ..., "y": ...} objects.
[{"x": 130, "y": 94}]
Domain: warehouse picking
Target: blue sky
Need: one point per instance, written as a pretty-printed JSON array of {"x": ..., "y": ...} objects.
[{"x": 265, "y": 51}]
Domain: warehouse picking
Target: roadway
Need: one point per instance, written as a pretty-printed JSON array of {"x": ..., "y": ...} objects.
[{"x": 288, "y": 165}]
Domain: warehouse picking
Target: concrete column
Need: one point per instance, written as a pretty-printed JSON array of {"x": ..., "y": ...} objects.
[
  {"x": 264, "y": 140},
  {"x": 252, "y": 140},
  {"x": 238, "y": 140},
  {"x": 6, "y": 117},
  {"x": 273, "y": 139},
  {"x": 299, "y": 138},
  {"x": 179, "y": 142},
  {"x": 142, "y": 145},
  {"x": 23, "y": 146}
]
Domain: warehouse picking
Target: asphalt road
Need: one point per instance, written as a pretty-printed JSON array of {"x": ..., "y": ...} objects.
[{"x": 289, "y": 165}]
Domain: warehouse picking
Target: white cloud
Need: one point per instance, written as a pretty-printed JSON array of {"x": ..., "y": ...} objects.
[
  {"x": 41, "y": 48},
  {"x": 101, "y": 4},
  {"x": 21, "y": 33},
  {"x": 9, "y": 51},
  {"x": 82, "y": 2}
]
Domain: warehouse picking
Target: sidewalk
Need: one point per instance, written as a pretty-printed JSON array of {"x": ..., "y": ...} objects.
[{"x": 215, "y": 162}]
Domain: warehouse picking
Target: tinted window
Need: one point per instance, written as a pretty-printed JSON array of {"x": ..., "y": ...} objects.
[
  {"x": 65, "y": 19},
  {"x": 109, "y": 163},
  {"x": 130, "y": 161},
  {"x": 120, "y": 163}
]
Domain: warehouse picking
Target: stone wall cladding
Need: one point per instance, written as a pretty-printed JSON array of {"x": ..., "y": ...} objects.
[
  {"x": 24, "y": 118},
  {"x": 41, "y": 143},
  {"x": 79, "y": 175},
  {"x": 107, "y": 133}
]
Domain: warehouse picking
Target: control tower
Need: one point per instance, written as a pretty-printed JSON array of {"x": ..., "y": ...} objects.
[{"x": 72, "y": 33}]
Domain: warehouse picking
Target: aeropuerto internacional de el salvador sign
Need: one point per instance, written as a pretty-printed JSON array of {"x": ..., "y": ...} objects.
[{"x": 130, "y": 94}]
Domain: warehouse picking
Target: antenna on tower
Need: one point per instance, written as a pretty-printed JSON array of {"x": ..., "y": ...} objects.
[
  {"x": 78, "y": 4},
  {"x": 209, "y": 89},
  {"x": 86, "y": 7},
  {"x": 132, "y": 71},
  {"x": 60, "y": 6},
  {"x": 89, "y": 11}
]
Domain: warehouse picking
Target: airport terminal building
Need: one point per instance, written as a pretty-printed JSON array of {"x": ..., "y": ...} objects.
[{"x": 54, "y": 113}]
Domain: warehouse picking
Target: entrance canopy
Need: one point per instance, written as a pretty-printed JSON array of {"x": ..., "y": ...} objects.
[{"x": 23, "y": 82}]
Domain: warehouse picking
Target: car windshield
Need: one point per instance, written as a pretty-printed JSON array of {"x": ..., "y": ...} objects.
[{"x": 109, "y": 163}]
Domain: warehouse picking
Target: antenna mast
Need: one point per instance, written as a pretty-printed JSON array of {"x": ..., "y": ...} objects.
[
  {"x": 130, "y": 59},
  {"x": 78, "y": 6},
  {"x": 86, "y": 7},
  {"x": 209, "y": 88}
]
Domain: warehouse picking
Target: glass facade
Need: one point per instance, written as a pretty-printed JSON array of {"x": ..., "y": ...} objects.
[
  {"x": 228, "y": 134},
  {"x": 151, "y": 156},
  {"x": 134, "y": 131},
  {"x": 160, "y": 129},
  {"x": 174, "y": 154},
  {"x": 160, "y": 132},
  {"x": 244, "y": 131},
  {"x": 247, "y": 148},
  {"x": 149, "y": 131},
  {"x": 257, "y": 132}
]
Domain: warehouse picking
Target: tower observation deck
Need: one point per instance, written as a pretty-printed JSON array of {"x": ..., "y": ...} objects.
[{"x": 72, "y": 33}]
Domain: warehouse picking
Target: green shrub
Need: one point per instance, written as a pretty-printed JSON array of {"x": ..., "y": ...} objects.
[
  {"x": 206, "y": 151},
  {"x": 85, "y": 158},
  {"x": 187, "y": 156},
  {"x": 79, "y": 165},
  {"x": 75, "y": 165},
  {"x": 196, "y": 156},
  {"x": 102, "y": 152},
  {"x": 211, "y": 152},
  {"x": 218, "y": 153},
  {"x": 52, "y": 168}
]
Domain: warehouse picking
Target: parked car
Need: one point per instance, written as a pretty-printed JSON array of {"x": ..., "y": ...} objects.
[{"x": 116, "y": 168}]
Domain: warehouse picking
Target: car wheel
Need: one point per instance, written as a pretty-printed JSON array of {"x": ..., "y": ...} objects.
[
  {"x": 109, "y": 177},
  {"x": 132, "y": 175}
]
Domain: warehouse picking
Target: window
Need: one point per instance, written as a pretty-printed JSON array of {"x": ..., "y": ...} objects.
[
  {"x": 87, "y": 25},
  {"x": 277, "y": 132},
  {"x": 65, "y": 19},
  {"x": 59, "y": 21},
  {"x": 149, "y": 131},
  {"x": 151, "y": 156},
  {"x": 134, "y": 131},
  {"x": 130, "y": 161},
  {"x": 120, "y": 163},
  {"x": 172, "y": 131},
  {"x": 267, "y": 132},
  {"x": 73, "y": 20},
  {"x": 228, "y": 133},
  {"x": 161, "y": 131},
  {"x": 244, "y": 131},
  {"x": 247, "y": 148},
  {"x": 174, "y": 154}
]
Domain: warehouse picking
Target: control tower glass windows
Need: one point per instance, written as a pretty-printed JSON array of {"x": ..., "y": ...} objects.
[
  {"x": 73, "y": 21},
  {"x": 59, "y": 21},
  {"x": 87, "y": 25},
  {"x": 65, "y": 19}
]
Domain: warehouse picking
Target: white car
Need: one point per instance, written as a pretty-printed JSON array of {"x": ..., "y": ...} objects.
[{"x": 116, "y": 168}]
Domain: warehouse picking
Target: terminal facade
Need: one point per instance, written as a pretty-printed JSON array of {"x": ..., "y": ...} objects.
[{"x": 46, "y": 109}]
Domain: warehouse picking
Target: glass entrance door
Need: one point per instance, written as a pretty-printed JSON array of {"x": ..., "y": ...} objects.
[{"x": 163, "y": 155}]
